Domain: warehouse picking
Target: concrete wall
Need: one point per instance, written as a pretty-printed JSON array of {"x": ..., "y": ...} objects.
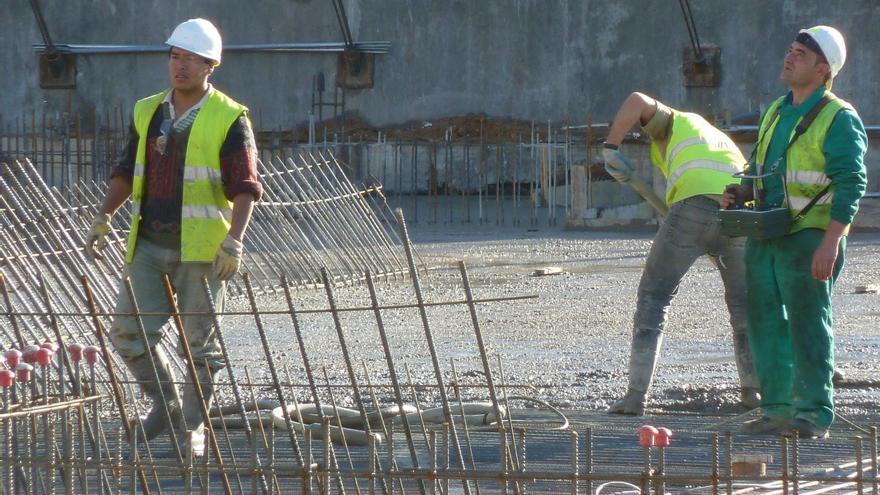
[{"x": 531, "y": 59}]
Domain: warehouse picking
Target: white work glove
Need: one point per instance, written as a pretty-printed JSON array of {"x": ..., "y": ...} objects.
[
  {"x": 617, "y": 165},
  {"x": 96, "y": 238},
  {"x": 228, "y": 258}
]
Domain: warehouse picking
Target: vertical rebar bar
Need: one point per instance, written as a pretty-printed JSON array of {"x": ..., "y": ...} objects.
[
  {"x": 715, "y": 463},
  {"x": 574, "y": 462},
  {"x": 276, "y": 383},
  {"x": 183, "y": 341},
  {"x": 250, "y": 388},
  {"x": 860, "y": 466},
  {"x": 114, "y": 382},
  {"x": 784, "y": 445},
  {"x": 438, "y": 374},
  {"x": 340, "y": 333},
  {"x": 335, "y": 409},
  {"x": 796, "y": 463},
  {"x": 874, "y": 453},
  {"x": 433, "y": 450},
  {"x": 464, "y": 424},
  {"x": 325, "y": 465},
  {"x": 728, "y": 444},
  {"x": 395, "y": 383},
  {"x": 236, "y": 391}
]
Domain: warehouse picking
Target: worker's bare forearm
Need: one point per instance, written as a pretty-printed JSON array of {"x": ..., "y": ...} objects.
[
  {"x": 636, "y": 109},
  {"x": 242, "y": 209},
  {"x": 117, "y": 193},
  {"x": 834, "y": 232}
]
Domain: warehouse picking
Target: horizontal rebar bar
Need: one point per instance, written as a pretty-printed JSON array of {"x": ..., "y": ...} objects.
[{"x": 284, "y": 312}]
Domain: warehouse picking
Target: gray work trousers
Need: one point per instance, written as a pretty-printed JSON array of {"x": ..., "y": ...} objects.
[
  {"x": 689, "y": 231},
  {"x": 151, "y": 261}
]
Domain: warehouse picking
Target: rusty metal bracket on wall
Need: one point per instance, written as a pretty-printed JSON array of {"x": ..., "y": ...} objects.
[
  {"x": 354, "y": 68},
  {"x": 704, "y": 70},
  {"x": 57, "y": 70},
  {"x": 701, "y": 64}
]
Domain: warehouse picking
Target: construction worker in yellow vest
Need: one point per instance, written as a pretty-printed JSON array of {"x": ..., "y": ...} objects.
[
  {"x": 819, "y": 175},
  {"x": 697, "y": 161},
  {"x": 190, "y": 171}
]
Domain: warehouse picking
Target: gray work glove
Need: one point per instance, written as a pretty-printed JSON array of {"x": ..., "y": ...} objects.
[{"x": 617, "y": 165}]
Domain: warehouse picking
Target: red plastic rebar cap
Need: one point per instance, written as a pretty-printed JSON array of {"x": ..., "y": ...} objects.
[
  {"x": 44, "y": 356},
  {"x": 23, "y": 372},
  {"x": 92, "y": 354},
  {"x": 76, "y": 351},
  {"x": 646, "y": 435},
  {"x": 663, "y": 436},
  {"x": 52, "y": 346},
  {"x": 7, "y": 378},
  {"x": 13, "y": 357}
]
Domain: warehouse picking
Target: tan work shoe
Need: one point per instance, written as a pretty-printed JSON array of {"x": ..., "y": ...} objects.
[
  {"x": 631, "y": 404},
  {"x": 805, "y": 429},
  {"x": 764, "y": 425}
]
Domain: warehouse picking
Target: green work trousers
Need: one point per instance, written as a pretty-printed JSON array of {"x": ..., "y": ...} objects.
[{"x": 789, "y": 314}]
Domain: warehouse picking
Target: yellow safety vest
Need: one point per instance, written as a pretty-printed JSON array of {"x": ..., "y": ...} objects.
[
  {"x": 699, "y": 158},
  {"x": 206, "y": 214},
  {"x": 804, "y": 163}
]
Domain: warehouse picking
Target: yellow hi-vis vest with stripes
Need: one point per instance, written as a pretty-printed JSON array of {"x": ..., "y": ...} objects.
[
  {"x": 804, "y": 163},
  {"x": 206, "y": 214},
  {"x": 699, "y": 158}
]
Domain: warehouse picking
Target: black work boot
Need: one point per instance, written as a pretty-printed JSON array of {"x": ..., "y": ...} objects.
[
  {"x": 805, "y": 429},
  {"x": 765, "y": 425}
]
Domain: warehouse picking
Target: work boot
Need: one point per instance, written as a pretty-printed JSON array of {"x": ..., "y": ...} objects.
[
  {"x": 166, "y": 405},
  {"x": 749, "y": 397},
  {"x": 193, "y": 419},
  {"x": 805, "y": 429},
  {"x": 764, "y": 425},
  {"x": 643, "y": 354},
  {"x": 631, "y": 404}
]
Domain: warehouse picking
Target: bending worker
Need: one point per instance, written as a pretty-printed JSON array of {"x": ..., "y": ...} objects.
[
  {"x": 190, "y": 170},
  {"x": 697, "y": 160},
  {"x": 790, "y": 278}
]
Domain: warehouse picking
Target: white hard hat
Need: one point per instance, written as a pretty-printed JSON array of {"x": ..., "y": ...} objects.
[
  {"x": 830, "y": 43},
  {"x": 198, "y": 36}
]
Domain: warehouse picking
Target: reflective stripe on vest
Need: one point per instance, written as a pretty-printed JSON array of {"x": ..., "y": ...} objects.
[
  {"x": 699, "y": 159},
  {"x": 798, "y": 203},
  {"x": 804, "y": 163},
  {"x": 201, "y": 172},
  {"x": 670, "y": 156},
  {"x": 206, "y": 214},
  {"x": 726, "y": 168}
]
